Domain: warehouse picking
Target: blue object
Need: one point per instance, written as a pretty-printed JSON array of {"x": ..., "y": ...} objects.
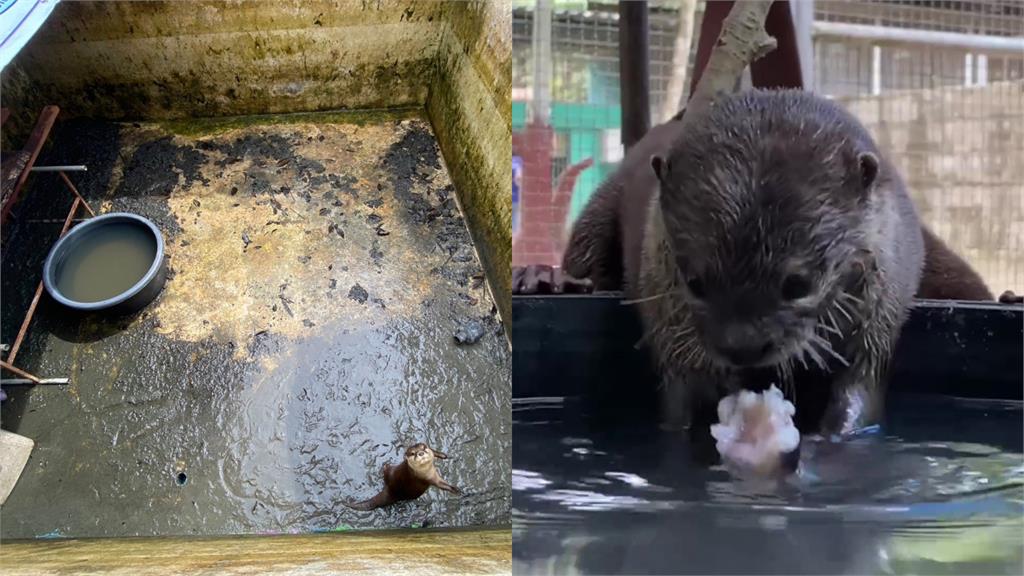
[
  {"x": 19, "y": 21},
  {"x": 517, "y": 179}
]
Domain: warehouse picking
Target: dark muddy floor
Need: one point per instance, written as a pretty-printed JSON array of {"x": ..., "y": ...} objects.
[{"x": 320, "y": 268}]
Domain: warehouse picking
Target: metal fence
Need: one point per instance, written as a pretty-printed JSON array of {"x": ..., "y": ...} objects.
[{"x": 939, "y": 83}]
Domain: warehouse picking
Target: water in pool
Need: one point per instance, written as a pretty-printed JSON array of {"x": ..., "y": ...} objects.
[
  {"x": 107, "y": 261},
  {"x": 939, "y": 490}
]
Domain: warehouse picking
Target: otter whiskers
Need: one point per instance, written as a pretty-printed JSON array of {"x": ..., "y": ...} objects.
[
  {"x": 826, "y": 347},
  {"x": 650, "y": 298}
]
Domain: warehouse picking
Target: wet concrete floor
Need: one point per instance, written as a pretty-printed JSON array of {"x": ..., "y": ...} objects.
[{"x": 319, "y": 268}]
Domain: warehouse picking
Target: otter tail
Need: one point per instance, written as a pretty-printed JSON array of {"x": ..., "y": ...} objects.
[{"x": 381, "y": 499}]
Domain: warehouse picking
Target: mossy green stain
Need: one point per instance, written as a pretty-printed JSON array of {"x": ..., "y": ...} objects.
[
  {"x": 486, "y": 201},
  {"x": 213, "y": 126}
]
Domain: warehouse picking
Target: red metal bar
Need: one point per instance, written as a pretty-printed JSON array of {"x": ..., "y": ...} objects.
[
  {"x": 19, "y": 372},
  {"x": 74, "y": 191},
  {"x": 35, "y": 143},
  {"x": 39, "y": 291}
]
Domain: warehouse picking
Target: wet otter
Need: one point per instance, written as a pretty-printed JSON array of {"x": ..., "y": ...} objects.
[
  {"x": 1008, "y": 297},
  {"x": 604, "y": 246},
  {"x": 778, "y": 245},
  {"x": 409, "y": 480},
  {"x": 946, "y": 276}
]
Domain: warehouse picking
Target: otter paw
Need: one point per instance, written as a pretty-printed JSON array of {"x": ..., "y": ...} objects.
[{"x": 1009, "y": 297}]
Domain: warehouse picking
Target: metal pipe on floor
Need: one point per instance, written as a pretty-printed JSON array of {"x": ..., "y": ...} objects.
[
  {"x": 71, "y": 168},
  {"x": 26, "y": 381}
]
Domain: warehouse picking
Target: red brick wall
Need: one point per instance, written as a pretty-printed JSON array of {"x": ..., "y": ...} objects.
[
  {"x": 533, "y": 244},
  {"x": 543, "y": 207}
]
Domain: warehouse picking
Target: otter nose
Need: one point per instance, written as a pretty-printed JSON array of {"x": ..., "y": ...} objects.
[{"x": 744, "y": 345}]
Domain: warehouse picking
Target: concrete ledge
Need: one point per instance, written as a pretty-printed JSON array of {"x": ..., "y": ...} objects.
[{"x": 486, "y": 551}]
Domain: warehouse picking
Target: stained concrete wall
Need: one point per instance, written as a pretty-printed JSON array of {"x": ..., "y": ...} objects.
[
  {"x": 170, "y": 60},
  {"x": 471, "y": 109},
  {"x": 157, "y": 60},
  {"x": 961, "y": 152}
]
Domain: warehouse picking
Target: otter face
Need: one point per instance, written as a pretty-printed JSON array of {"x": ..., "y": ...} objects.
[
  {"x": 756, "y": 321},
  {"x": 766, "y": 229},
  {"x": 420, "y": 457}
]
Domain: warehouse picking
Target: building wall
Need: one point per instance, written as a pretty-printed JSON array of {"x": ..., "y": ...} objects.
[{"x": 961, "y": 153}]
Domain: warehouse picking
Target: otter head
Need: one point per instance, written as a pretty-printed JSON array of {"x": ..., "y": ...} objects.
[
  {"x": 420, "y": 457},
  {"x": 765, "y": 209}
]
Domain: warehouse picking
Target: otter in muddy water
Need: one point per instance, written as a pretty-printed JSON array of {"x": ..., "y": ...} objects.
[
  {"x": 409, "y": 480},
  {"x": 772, "y": 242}
]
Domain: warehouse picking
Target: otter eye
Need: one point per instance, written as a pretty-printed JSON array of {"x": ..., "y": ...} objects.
[
  {"x": 795, "y": 287},
  {"x": 696, "y": 287}
]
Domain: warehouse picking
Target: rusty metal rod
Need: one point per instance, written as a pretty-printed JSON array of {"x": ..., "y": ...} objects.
[
  {"x": 20, "y": 372},
  {"x": 77, "y": 195},
  {"x": 52, "y": 220},
  {"x": 35, "y": 143},
  {"x": 39, "y": 291}
]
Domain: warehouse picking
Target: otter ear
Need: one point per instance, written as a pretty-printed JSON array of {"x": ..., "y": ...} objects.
[
  {"x": 660, "y": 166},
  {"x": 867, "y": 164}
]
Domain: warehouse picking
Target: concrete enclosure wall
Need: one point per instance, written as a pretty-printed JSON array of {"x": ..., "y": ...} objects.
[
  {"x": 961, "y": 153},
  {"x": 178, "y": 60},
  {"x": 159, "y": 60},
  {"x": 470, "y": 106}
]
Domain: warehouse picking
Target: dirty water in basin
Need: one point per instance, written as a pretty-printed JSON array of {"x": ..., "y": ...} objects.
[
  {"x": 319, "y": 267},
  {"x": 106, "y": 262},
  {"x": 919, "y": 496}
]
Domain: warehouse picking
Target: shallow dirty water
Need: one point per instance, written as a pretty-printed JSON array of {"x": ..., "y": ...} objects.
[
  {"x": 106, "y": 262},
  {"x": 318, "y": 272},
  {"x": 918, "y": 496}
]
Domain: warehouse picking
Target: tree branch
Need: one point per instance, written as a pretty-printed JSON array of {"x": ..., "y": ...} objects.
[{"x": 743, "y": 40}]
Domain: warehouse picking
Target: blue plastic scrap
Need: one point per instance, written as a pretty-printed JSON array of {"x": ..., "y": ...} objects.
[{"x": 19, "y": 21}]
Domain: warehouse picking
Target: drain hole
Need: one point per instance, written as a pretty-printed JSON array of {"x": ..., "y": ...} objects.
[{"x": 181, "y": 479}]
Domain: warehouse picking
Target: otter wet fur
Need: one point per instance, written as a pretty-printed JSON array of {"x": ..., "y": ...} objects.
[
  {"x": 778, "y": 246},
  {"x": 947, "y": 276},
  {"x": 409, "y": 480}
]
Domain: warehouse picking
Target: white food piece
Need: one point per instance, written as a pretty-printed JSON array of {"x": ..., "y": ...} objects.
[{"x": 755, "y": 429}]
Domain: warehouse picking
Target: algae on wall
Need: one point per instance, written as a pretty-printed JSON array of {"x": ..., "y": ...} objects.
[
  {"x": 470, "y": 107},
  {"x": 162, "y": 60}
]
